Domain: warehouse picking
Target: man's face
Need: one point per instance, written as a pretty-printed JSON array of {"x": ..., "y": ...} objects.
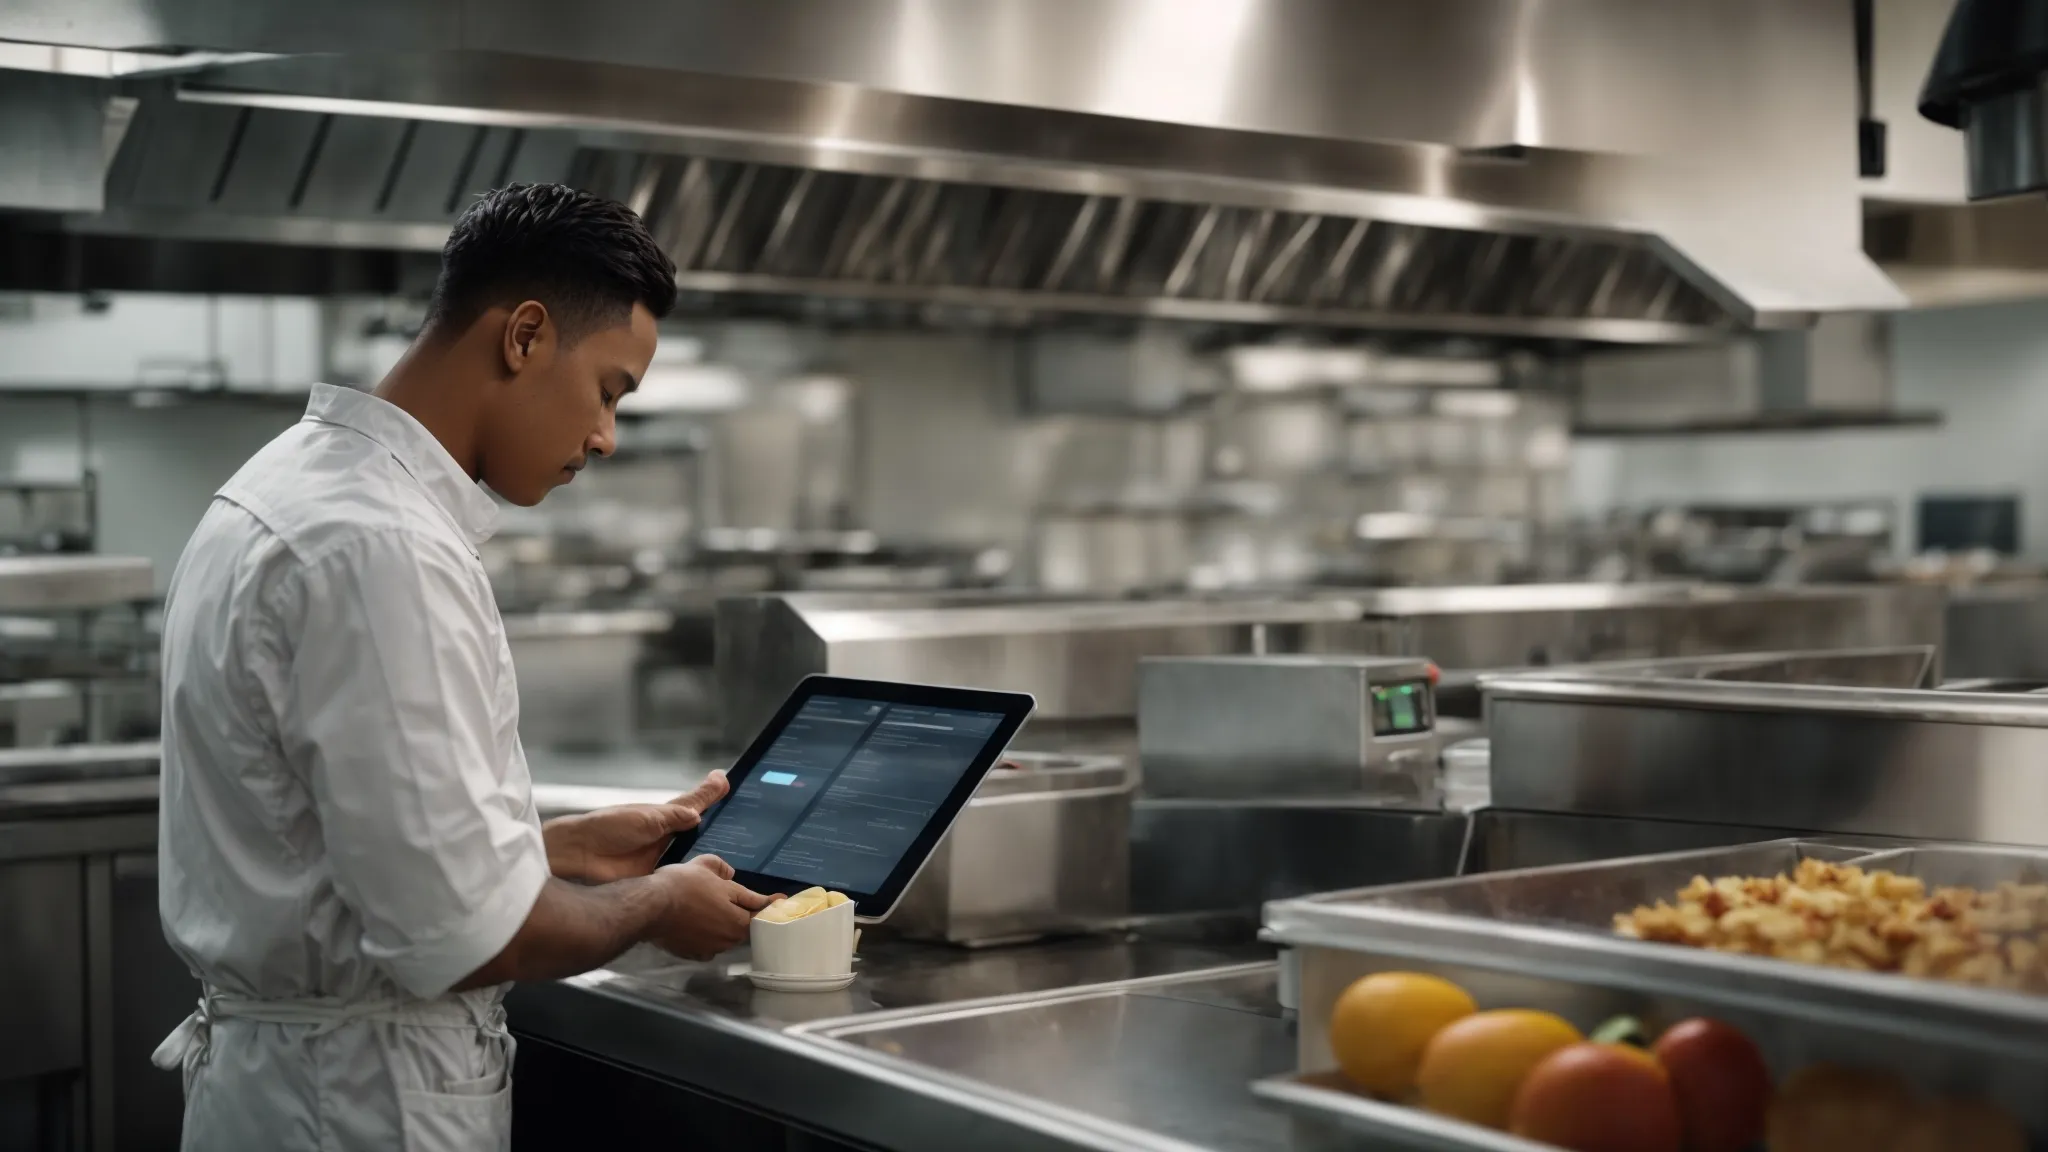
[{"x": 558, "y": 407}]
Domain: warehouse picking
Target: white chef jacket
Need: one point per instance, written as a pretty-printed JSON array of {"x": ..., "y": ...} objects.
[{"x": 348, "y": 826}]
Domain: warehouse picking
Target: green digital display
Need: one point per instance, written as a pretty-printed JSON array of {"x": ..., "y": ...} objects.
[{"x": 1400, "y": 709}]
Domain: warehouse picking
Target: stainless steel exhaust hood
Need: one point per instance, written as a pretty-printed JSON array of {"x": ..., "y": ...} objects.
[{"x": 1605, "y": 169}]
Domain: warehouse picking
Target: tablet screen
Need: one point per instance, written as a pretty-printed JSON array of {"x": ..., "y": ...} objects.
[{"x": 845, "y": 789}]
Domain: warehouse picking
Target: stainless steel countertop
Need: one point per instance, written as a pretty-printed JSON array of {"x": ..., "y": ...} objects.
[
  {"x": 1144, "y": 1040},
  {"x": 79, "y": 781}
]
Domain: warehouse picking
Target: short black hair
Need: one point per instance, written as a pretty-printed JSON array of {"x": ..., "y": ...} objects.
[{"x": 588, "y": 259}]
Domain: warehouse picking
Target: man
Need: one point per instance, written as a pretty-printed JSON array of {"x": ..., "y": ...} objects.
[{"x": 350, "y": 859}]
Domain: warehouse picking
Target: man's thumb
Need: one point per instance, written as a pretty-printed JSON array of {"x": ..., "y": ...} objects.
[{"x": 704, "y": 795}]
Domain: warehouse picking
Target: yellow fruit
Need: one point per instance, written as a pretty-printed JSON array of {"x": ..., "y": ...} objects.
[
  {"x": 1382, "y": 1022},
  {"x": 1472, "y": 1068}
]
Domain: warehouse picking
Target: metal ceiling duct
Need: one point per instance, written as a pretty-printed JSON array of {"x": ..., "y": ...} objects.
[
  {"x": 54, "y": 133},
  {"x": 740, "y": 226},
  {"x": 1604, "y": 169},
  {"x": 203, "y": 170}
]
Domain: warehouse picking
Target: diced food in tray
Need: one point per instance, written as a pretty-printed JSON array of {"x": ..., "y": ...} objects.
[{"x": 1871, "y": 920}]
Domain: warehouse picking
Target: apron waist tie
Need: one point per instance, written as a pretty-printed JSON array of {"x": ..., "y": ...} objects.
[{"x": 187, "y": 1046}]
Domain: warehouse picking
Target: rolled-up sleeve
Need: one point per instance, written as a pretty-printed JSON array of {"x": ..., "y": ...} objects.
[{"x": 396, "y": 708}]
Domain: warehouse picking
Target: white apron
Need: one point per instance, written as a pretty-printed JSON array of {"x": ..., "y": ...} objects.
[{"x": 419, "y": 1075}]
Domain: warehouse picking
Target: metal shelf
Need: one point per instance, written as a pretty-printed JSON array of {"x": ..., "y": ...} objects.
[{"x": 69, "y": 583}]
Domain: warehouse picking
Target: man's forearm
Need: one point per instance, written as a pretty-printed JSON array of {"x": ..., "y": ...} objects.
[{"x": 572, "y": 929}]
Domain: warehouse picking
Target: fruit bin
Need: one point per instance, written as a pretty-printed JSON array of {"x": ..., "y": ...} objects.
[{"x": 1542, "y": 938}]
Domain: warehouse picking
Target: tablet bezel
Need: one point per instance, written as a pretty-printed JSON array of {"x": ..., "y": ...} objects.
[{"x": 1014, "y": 707}]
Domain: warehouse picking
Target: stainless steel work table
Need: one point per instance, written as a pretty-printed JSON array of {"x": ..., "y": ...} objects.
[{"x": 1139, "y": 1040}]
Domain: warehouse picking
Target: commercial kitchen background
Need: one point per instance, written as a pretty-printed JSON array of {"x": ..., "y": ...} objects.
[
  {"x": 1650, "y": 389},
  {"x": 1983, "y": 368}
]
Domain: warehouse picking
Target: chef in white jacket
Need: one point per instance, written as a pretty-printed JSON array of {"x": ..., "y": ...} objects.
[{"x": 350, "y": 858}]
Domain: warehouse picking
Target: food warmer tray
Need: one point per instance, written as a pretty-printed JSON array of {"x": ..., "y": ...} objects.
[
  {"x": 1556, "y": 924},
  {"x": 1331, "y": 1117},
  {"x": 1543, "y": 938}
]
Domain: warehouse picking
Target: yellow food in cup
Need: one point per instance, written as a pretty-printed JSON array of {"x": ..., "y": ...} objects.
[{"x": 801, "y": 905}]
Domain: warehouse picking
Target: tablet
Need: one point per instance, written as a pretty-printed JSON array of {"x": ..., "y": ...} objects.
[{"x": 851, "y": 785}]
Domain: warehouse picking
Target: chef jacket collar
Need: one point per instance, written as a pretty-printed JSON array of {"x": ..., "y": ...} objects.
[{"x": 416, "y": 450}]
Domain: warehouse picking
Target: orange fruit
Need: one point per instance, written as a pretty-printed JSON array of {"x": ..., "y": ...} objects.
[
  {"x": 1472, "y": 1068},
  {"x": 1381, "y": 1023}
]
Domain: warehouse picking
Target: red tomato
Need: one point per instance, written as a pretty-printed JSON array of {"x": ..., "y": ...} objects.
[
  {"x": 1722, "y": 1085},
  {"x": 1598, "y": 1098}
]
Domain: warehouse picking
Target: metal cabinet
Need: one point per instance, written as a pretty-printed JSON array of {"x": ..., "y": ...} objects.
[
  {"x": 152, "y": 992},
  {"x": 43, "y": 949}
]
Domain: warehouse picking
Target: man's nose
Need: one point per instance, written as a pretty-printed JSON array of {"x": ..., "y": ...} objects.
[{"x": 605, "y": 439}]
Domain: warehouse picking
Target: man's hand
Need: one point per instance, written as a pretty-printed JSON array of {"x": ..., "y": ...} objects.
[
  {"x": 627, "y": 841},
  {"x": 693, "y": 910},
  {"x": 707, "y": 912}
]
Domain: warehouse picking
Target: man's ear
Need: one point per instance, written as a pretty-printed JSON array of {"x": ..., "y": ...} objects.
[{"x": 527, "y": 331}]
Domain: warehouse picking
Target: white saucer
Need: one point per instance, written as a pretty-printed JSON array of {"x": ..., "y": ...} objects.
[{"x": 775, "y": 983}]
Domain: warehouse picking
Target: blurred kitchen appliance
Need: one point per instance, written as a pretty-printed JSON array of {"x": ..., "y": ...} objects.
[
  {"x": 77, "y": 651},
  {"x": 84, "y": 955},
  {"x": 1957, "y": 523},
  {"x": 1305, "y": 464},
  {"x": 1997, "y": 630},
  {"x": 1079, "y": 658},
  {"x": 581, "y": 674},
  {"x": 1816, "y": 542},
  {"x": 1044, "y": 847},
  {"x": 48, "y": 515},
  {"x": 1837, "y": 373},
  {"x": 1262, "y": 727},
  {"x": 40, "y": 712}
]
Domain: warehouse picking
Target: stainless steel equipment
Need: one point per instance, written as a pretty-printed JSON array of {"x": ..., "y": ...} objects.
[
  {"x": 1098, "y": 1056},
  {"x": 77, "y": 652},
  {"x": 1937, "y": 765},
  {"x": 1190, "y": 856},
  {"x": 1905, "y": 666},
  {"x": 1079, "y": 659},
  {"x": 95, "y": 985},
  {"x": 1469, "y": 630},
  {"x": 48, "y": 515},
  {"x": 1997, "y": 631},
  {"x": 1808, "y": 543},
  {"x": 579, "y": 673},
  {"x": 1278, "y": 725},
  {"x": 39, "y": 712},
  {"x": 600, "y": 1053},
  {"x": 1543, "y": 938},
  {"x": 1043, "y": 848},
  {"x": 814, "y": 146},
  {"x": 68, "y": 583}
]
